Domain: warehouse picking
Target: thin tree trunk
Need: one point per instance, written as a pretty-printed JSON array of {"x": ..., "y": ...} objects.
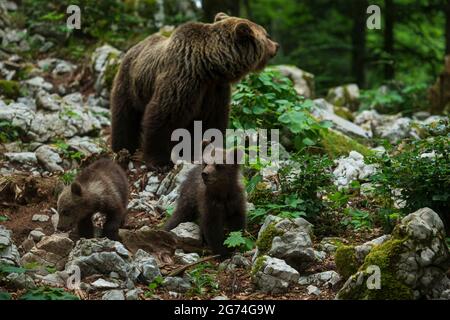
[
  {"x": 359, "y": 41},
  {"x": 447, "y": 27},
  {"x": 389, "y": 70}
]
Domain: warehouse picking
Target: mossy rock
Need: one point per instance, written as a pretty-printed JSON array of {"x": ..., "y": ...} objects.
[
  {"x": 346, "y": 262},
  {"x": 385, "y": 256},
  {"x": 10, "y": 89},
  {"x": 264, "y": 242},
  {"x": 344, "y": 113},
  {"x": 261, "y": 194},
  {"x": 337, "y": 144},
  {"x": 110, "y": 72},
  {"x": 258, "y": 264}
]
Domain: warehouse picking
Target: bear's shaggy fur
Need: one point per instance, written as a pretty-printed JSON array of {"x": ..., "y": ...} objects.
[
  {"x": 168, "y": 83},
  {"x": 214, "y": 194},
  {"x": 101, "y": 187}
]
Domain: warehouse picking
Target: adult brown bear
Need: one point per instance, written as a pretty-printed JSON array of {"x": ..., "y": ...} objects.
[{"x": 168, "y": 83}]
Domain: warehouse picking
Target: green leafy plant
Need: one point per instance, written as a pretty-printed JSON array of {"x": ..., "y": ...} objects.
[
  {"x": 396, "y": 97},
  {"x": 68, "y": 152},
  {"x": 203, "y": 277},
  {"x": 69, "y": 176},
  {"x": 358, "y": 219},
  {"x": 237, "y": 240},
  {"x": 7, "y": 269},
  {"x": 155, "y": 284},
  {"x": 8, "y": 132},
  {"x": 3, "y": 218},
  {"x": 5, "y": 295},
  {"x": 47, "y": 293},
  {"x": 269, "y": 100},
  {"x": 417, "y": 175}
]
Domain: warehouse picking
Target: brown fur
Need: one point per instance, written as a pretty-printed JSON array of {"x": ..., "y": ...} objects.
[
  {"x": 101, "y": 187},
  {"x": 214, "y": 194},
  {"x": 167, "y": 83}
]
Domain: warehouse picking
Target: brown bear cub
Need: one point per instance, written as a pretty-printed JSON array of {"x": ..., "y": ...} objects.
[
  {"x": 165, "y": 83},
  {"x": 101, "y": 187},
  {"x": 214, "y": 194}
]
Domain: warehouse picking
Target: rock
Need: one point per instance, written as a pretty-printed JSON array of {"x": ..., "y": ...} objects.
[
  {"x": 344, "y": 96},
  {"x": 273, "y": 275},
  {"x": 327, "y": 278},
  {"x": 133, "y": 294},
  {"x": 185, "y": 258},
  {"x": 51, "y": 251},
  {"x": 26, "y": 158},
  {"x": 412, "y": 262},
  {"x": 40, "y": 218},
  {"x": 303, "y": 81},
  {"x": 50, "y": 102},
  {"x": 221, "y": 298},
  {"x": 62, "y": 67},
  {"x": 20, "y": 281},
  {"x": 36, "y": 235},
  {"x": 397, "y": 130},
  {"x": 330, "y": 244},
  {"x": 105, "y": 61},
  {"x": 52, "y": 279},
  {"x": 350, "y": 169},
  {"x": 104, "y": 284},
  {"x": 113, "y": 295},
  {"x": 176, "y": 284},
  {"x": 146, "y": 266},
  {"x": 188, "y": 232},
  {"x": 313, "y": 290},
  {"x": 287, "y": 239},
  {"x": 87, "y": 145},
  {"x": 38, "y": 83},
  {"x": 322, "y": 111},
  {"x": 49, "y": 158},
  {"x": 101, "y": 256}
]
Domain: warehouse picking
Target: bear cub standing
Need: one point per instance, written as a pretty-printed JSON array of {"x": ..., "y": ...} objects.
[
  {"x": 214, "y": 194},
  {"x": 101, "y": 187}
]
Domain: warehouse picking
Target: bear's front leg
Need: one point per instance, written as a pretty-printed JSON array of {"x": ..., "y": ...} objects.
[
  {"x": 212, "y": 226},
  {"x": 114, "y": 220},
  {"x": 86, "y": 228}
]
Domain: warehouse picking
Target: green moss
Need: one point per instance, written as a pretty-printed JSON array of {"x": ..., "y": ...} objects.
[
  {"x": 9, "y": 89},
  {"x": 258, "y": 264},
  {"x": 110, "y": 72},
  {"x": 345, "y": 259},
  {"x": 344, "y": 113},
  {"x": 385, "y": 256},
  {"x": 337, "y": 144},
  {"x": 264, "y": 242},
  {"x": 261, "y": 194}
]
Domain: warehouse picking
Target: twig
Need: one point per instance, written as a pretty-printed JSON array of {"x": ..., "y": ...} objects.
[{"x": 183, "y": 268}]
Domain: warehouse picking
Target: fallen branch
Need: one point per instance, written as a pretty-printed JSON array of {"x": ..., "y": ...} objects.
[{"x": 181, "y": 269}]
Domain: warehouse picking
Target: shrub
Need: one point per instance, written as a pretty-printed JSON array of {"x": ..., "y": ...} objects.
[
  {"x": 418, "y": 175},
  {"x": 269, "y": 100},
  {"x": 396, "y": 97}
]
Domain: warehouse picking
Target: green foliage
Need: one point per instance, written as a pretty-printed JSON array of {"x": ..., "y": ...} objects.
[
  {"x": 8, "y": 132},
  {"x": 7, "y": 269},
  {"x": 5, "y": 295},
  {"x": 237, "y": 240},
  {"x": 69, "y": 176},
  {"x": 421, "y": 181},
  {"x": 47, "y": 293},
  {"x": 10, "y": 89},
  {"x": 68, "y": 152},
  {"x": 3, "y": 218},
  {"x": 155, "y": 284},
  {"x": 396, "y": 98},
  {"x": 203, "y": 278},
  {"x": 268, "y": 100},
  {"x": 358, "y": 219}
]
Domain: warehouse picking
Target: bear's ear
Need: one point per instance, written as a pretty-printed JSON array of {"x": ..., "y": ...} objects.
[
  {"x": 220, "y": 16},
  {"x": 243, "y": 30},
  {"x": 75, "y": 187}
]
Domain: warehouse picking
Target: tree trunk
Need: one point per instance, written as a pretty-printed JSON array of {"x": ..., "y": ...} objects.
[
  {"x": 212, "y": 7},
  {"x": 389, "y": 9},
  {"x": 359, "y": 41},
  {"x": 447, "y": 27}
]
